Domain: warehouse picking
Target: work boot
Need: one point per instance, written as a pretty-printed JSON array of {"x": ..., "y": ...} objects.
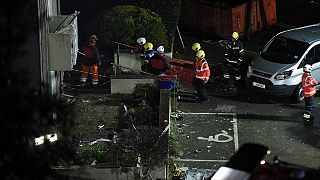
[{"x": 307, "y": 119}]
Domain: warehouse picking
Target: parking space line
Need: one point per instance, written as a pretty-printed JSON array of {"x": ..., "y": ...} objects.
[
  {"x": 200, "y": 160},
  {"x": 235, "y": 132},
  {"x": 218, "y": 113}
]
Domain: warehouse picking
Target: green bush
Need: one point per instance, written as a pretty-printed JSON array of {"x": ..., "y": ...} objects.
[
  {"x": 168, "y": 10},
  {"x": 147, "y": 91},
  {"x": 125, "y": 23}
]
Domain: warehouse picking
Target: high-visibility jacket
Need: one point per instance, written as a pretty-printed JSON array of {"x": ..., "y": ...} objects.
[
  {"x": 202, "y": 70},
  {"x": 159, "y": 62},
  {"x": 308, "y": 85},
  {"x": 91, "y": 55}
]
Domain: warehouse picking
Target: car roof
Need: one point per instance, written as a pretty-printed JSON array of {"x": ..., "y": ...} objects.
[{"x": 308, "y": 34}]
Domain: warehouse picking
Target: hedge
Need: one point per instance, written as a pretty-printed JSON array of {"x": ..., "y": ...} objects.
[{"x": 125, "y": 23}]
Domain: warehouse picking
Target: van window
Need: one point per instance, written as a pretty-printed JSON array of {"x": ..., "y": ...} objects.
[
  {"x": 284, "y": 50},
  {"x": 316, "y": 54},
  {"x": 313, "y": 56}
]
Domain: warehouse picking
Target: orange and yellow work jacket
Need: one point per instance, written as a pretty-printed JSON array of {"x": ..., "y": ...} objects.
[
  {"x": 202, "y": 70},
  {"x": 308, "y": 85}
]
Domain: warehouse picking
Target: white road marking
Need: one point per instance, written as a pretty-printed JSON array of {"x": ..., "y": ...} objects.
[
  {"x": 201, "y": 160},
  {"x": 216, "y": 137},
  {"x": 235, "y": 132},
  {"x": 222, "y": 113},
  {"x": 234, "y": 122}
]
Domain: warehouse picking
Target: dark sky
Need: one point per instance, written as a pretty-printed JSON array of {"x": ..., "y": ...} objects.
[
  {"x": 292, "y": 12},
  {"x": 298, "y": 12}
]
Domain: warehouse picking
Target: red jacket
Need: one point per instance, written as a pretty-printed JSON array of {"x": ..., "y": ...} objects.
[
  {"x": 308, "y": 84},
  {"x": 202, "y": 70}
]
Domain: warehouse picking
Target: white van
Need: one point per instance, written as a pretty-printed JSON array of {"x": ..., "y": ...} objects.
[{"x": 278, "y": 68}]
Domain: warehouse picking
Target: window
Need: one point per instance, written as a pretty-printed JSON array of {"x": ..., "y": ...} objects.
[
  {"x": 317, "y": 54},
  {"x": 284, "y": 50}
]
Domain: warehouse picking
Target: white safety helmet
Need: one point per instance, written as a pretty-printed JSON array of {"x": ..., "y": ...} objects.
[
  {"x": 141, "y": 41},
  {"x": 307, "y": 68},
  {"x": 160, "y": 49}
]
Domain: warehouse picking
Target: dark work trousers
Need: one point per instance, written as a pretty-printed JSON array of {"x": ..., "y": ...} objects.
[
  {"x": 308, "y": 103},
  {"x": 200, "y": 88}
]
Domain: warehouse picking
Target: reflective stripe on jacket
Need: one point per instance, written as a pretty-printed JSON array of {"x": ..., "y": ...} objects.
[
  {"x": 234, "y": 50},
  {"x": 202, "y": 69},
  {"x": 308, "y": 85}
]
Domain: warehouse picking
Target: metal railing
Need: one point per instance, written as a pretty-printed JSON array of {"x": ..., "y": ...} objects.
[{"x": 116, "y": 68}]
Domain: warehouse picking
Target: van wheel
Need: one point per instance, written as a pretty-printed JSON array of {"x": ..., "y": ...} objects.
[{"x": 298, "y": 94}]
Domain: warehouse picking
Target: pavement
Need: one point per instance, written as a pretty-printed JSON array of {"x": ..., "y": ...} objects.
[{"x": 211, "y": 132}]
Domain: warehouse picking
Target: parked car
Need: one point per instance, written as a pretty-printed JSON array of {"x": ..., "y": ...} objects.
[{"x": 278, "y": 69}]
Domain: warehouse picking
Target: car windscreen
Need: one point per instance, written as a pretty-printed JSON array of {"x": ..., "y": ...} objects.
[{"x": 284, "y": 50}]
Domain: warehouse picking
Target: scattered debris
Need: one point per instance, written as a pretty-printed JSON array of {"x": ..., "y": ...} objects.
[
  {"x": 100, "y": 140},
  {"x": 94, "y": 163},
  {"x": 198, "y": 150}
]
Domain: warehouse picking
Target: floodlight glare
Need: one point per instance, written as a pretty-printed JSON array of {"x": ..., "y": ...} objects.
[
  {"x": 38, "y": 141},
  {"x": 52, "y": 137}
]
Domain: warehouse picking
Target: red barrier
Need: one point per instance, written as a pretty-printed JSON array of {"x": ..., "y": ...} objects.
[{"x": 183, "y": 69}]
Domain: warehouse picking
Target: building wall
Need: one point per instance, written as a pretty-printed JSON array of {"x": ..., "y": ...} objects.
[
  {"x": 22, "y": 43},
  {"x": 50, "y": 79},
  {"x": 26, "y": 34}
]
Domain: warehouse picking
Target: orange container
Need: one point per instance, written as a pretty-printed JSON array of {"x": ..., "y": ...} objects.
[
  {"x": 216, "y": 21},
  {"x": 270, "y": 8},
  {"x": 183, "y": 69},
  {"x": 207, "y": 17},
  {"x": 238, "y": 19},
  {"x": 255, "y": 18}
]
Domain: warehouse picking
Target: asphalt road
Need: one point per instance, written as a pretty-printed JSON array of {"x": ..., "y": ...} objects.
[{"x": 211, "y": 132}]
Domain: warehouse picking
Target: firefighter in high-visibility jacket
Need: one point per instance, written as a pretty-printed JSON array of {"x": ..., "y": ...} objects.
[
  {"x": 202, "y": 75},
  {"x": 309, "y": 90},
  {"x": 90, "y": 61}
]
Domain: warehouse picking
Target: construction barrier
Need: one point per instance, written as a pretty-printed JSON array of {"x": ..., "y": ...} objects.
[{"x": 183, "y": 69}]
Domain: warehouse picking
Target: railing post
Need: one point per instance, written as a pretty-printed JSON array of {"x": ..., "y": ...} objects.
[
  {"x": 118, "y": 60},
  {"x": 117, "y": 63}
]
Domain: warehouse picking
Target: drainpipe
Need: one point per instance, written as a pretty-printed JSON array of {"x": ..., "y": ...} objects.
[{"x": 43, "y": 50}]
